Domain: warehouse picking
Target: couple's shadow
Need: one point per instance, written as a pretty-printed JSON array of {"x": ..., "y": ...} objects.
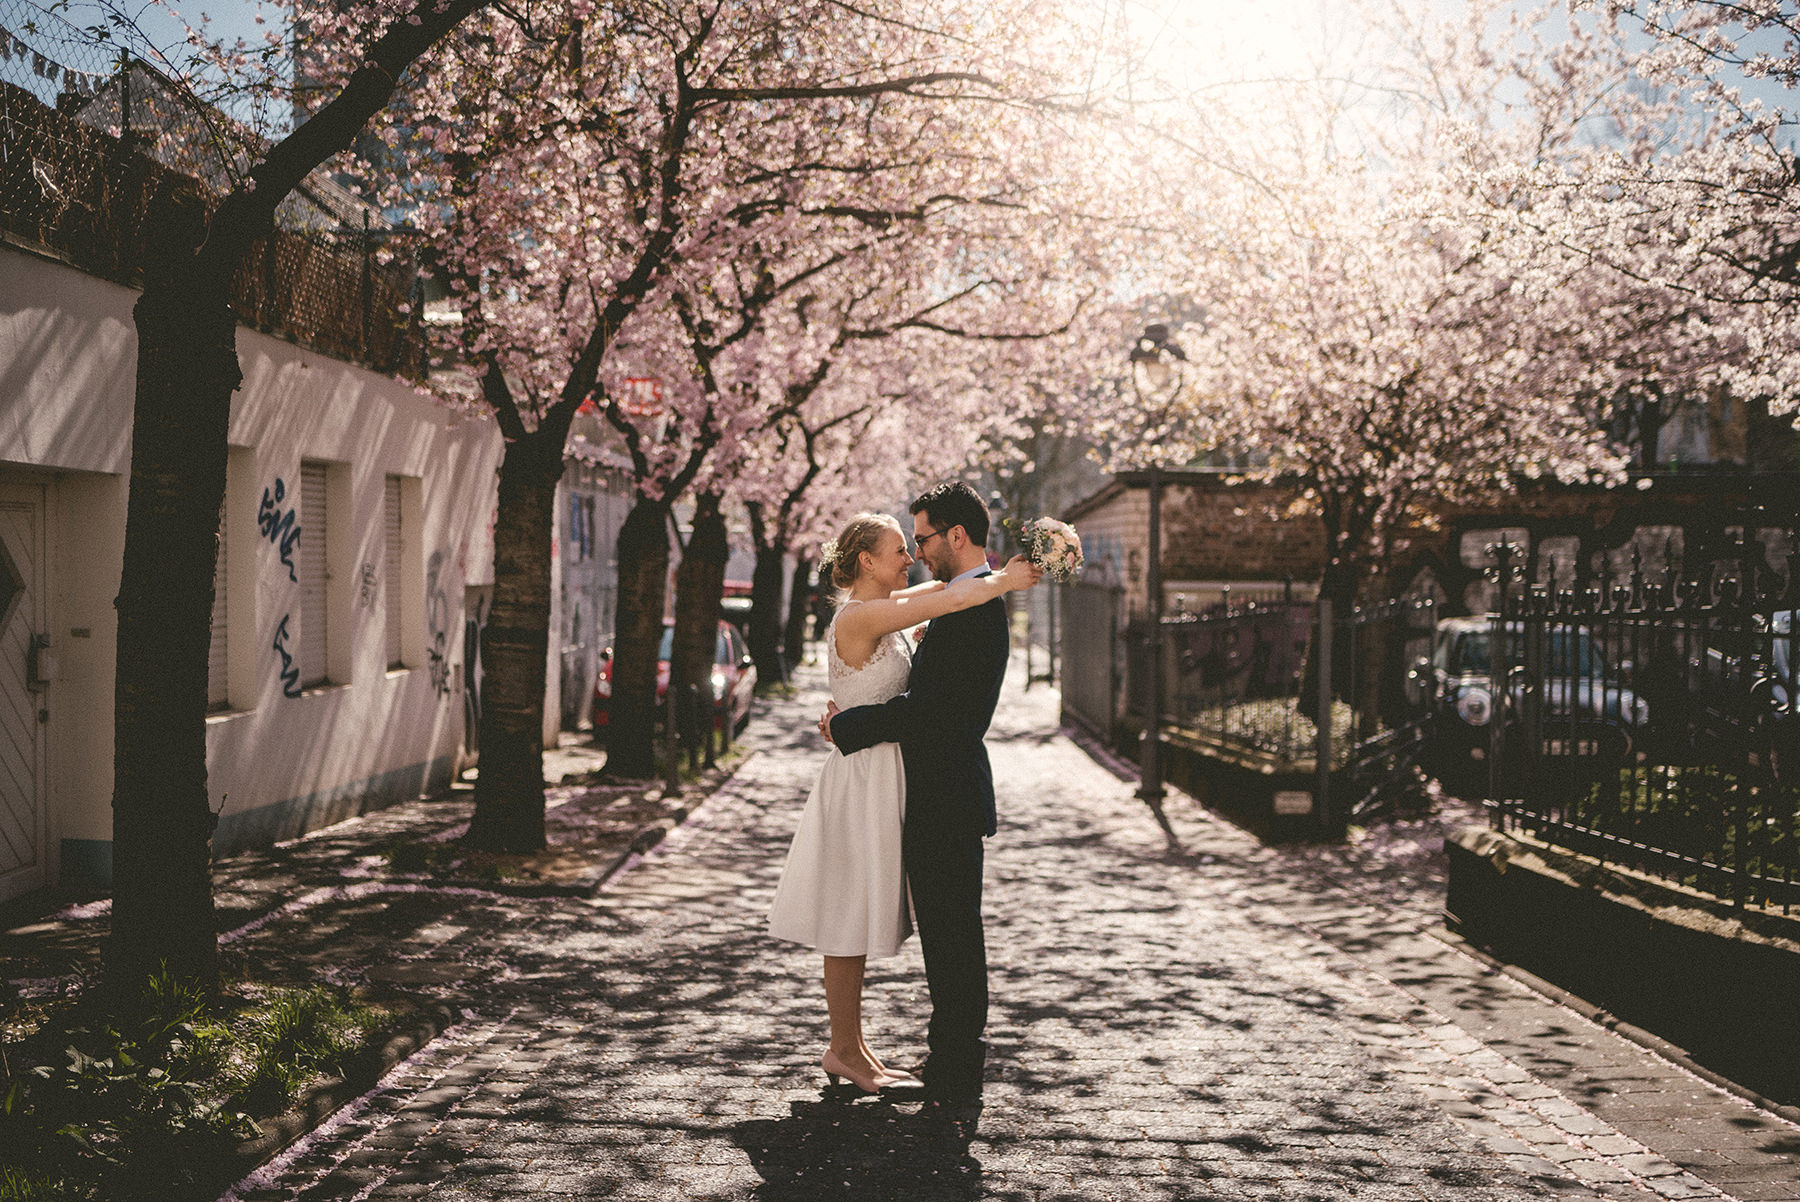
[{"x": 837, "y": 1150}]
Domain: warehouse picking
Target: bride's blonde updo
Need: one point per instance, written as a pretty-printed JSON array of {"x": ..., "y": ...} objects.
[{"x": 842, "y": 555}]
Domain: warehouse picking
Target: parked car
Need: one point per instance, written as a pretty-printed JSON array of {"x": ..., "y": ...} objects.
[
  {"x": 736, "y": 610},
  {"x": 733, "y": 679},
  {"x": 1589, "y": 710},
  {"x": 1757, "y": 661},
  {"x": 1747, "y": 686}
]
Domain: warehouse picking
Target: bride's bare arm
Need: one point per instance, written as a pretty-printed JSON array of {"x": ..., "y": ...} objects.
[{"x": 869, "y": 621}]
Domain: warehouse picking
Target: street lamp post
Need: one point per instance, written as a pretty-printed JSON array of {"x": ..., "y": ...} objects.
[
  {"x": 1150, "y": 786},
  {"x": 1156, "y": 361}
]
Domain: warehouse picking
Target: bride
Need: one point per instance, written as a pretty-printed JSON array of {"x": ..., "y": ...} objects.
[{"x": 842, "y": 889}]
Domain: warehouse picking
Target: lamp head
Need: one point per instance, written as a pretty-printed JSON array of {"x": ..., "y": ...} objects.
[{"x": 1156, "y": 357}]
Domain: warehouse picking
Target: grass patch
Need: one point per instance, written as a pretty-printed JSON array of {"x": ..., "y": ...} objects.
[
  {"x": 294, "y": 1038},
  {"x": 693, "y": 772},
  {"x": 446, "y": 861},
  {"x": 146, "y": 1101}
]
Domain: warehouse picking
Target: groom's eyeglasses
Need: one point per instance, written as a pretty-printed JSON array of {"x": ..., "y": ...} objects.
[{"x": 919, "y": 543}]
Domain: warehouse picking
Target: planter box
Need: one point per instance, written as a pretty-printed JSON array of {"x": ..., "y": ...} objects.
[
  {"x": 1273, "y": 801},
  {"x": 1723, "y": 984}
]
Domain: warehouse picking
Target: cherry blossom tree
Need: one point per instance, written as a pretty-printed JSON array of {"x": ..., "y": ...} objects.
[
  {"x": 1373, "y": 322},
  {"x": 880, "y": 335},
  {"x": 187, "y": 369},
  {"x": 1638, "y": 155},
  {"x": 578, "y": 158}
]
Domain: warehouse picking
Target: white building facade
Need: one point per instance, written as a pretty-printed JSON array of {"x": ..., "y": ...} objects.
[{"x": 356, "y": 547}]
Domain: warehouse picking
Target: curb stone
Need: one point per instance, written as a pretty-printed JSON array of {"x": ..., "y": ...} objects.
[
  {"x": 319, "y": 1102},
  {"x": 1618, "y": 1026}
]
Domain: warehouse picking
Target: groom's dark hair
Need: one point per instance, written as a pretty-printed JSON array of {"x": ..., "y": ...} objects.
[{"x": 954, "y": 503}]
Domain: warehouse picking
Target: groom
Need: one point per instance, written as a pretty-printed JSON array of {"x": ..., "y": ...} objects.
[{"x": 939, "y": 723}]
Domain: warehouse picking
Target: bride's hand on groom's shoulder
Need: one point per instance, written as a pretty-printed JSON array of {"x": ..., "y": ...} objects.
[{"x": 831, "y": 710}]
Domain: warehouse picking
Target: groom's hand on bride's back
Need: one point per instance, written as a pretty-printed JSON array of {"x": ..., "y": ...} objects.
[{"x": 831, "y": 710}]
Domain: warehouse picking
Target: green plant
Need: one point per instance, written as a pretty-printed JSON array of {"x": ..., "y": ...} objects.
[
  {"x": 493, "y": 872},
  {"x": 430, "y": 859},
  {"x": 17, "y": 1185},
  {"x": 296, "y": 1035},
  {"x": 143, "y": 1101},
  {"x": 121, "y": 1109}
]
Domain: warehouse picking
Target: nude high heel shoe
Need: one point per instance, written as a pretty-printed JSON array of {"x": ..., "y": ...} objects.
[{"x": 836, "y": 1069}]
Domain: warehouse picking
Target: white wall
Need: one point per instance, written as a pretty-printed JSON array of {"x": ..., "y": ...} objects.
[{"x": 277, "y": 764}]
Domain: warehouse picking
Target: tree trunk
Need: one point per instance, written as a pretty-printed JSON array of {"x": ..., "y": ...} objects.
[
  {"x": 515, "y": 649},
  {"x": 187, "y": 369},
  {"x": 766, "y": 616},
  {"x": 765, "y": 600},
  {"x": 699, "y": 588},
  {"x": 637, "y": 634},
  {"x": 793, "y": 641},
  {"x": 1338, "y": 584}
]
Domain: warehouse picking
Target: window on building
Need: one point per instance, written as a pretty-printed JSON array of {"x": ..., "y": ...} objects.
[
  {"x": 218, "y": 652},
  {"x": 581, "y": 527},
  {"x": 393, "y": 560},
  {"x": 315, "y": 633}
]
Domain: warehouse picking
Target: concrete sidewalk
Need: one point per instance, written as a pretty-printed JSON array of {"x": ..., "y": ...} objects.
[{"x": 1215, "y": 1020}]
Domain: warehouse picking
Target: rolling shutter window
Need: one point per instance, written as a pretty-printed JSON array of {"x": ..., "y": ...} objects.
[
  {"x": 315, "y": 632},
  {"x": 390, "y": 568},
  {"x": 217, "y": 655}
]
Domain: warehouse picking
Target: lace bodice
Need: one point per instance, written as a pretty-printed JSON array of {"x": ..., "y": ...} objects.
[{"x": 884, "y": 676}]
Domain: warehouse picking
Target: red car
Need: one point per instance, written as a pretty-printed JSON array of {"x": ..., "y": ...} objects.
[{"x": 733, "y": 679}]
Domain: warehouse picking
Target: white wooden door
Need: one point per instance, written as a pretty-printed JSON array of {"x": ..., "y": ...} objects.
[{"x": 22, "y": 708}]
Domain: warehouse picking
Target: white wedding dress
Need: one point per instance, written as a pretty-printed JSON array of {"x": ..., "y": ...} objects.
[{"x": 843, "y": 890}]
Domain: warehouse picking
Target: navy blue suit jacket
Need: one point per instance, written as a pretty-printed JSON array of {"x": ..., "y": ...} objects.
[{"x": 940, "y": 720}]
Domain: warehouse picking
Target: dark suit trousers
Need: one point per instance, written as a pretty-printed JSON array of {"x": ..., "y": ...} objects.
[{"x": 944, "y": 873}]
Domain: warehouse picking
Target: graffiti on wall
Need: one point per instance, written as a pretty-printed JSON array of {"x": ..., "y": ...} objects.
[
  {"x": 278, "y": 526},
  {"x": 290, "y": 675},
  {"x": 437, "y": 625}
]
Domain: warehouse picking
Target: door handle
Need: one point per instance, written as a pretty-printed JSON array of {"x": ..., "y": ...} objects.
[{"x": 40, "y": 666}]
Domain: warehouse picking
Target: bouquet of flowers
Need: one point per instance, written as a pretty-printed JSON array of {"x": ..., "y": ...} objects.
[{"x": 1053, "y": 546}]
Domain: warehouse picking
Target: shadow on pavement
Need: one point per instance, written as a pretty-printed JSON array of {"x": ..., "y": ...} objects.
[{"x": 839, "y": 1151}]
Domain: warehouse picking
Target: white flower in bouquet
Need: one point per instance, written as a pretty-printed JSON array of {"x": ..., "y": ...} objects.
[{"x": 1052, "y": 545}]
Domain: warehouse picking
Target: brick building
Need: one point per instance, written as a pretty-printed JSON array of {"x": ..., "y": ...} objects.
[{"x": 1221, "y": 531}]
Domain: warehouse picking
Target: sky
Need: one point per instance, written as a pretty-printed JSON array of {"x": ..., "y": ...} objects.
[{"x": 1191, "y": 40}]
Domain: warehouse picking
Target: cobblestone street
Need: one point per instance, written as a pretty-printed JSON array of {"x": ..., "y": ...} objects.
[{"x": 1217, "y": 1020}]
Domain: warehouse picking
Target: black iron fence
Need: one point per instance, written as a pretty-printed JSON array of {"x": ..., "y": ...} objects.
[
  {"x": 1248, "y": 680},
  {"x": 1649, "y": 719},
  {"x": 1243, "y": 682},
  {"x": 89, "y": 139}
]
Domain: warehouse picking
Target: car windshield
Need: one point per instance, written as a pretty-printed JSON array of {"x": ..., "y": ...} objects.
[{"x": 1572, "y": 653}]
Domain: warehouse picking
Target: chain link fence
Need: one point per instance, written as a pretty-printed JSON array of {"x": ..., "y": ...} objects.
[{"x": 90, "y": 135}]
